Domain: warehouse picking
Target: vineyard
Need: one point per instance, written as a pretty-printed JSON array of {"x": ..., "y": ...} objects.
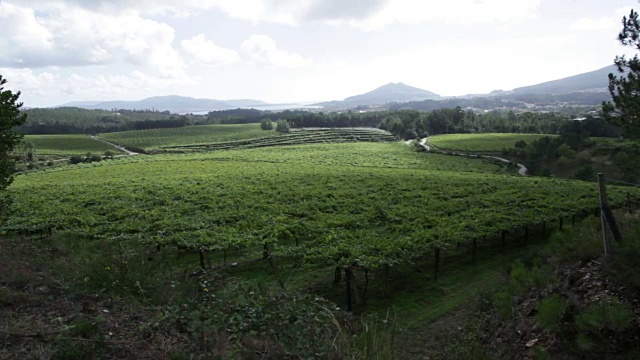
[
  {"x": 199, "y": 134},
  {"x": 65, "y": 145},
  {"x": 474, "y": 143},
  {"x": 223, "y": 137},
  {"x": 361, "y": 205}
]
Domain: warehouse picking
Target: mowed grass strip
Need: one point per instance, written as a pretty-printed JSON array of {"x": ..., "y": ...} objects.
[
  {"x": 65, "y": 145},
  {"x": 487, "y": 143}
]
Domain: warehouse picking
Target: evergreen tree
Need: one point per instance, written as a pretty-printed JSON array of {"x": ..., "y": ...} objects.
[
  {"x": 625, "y": 88},
  {"x": 10, "y": 116}
]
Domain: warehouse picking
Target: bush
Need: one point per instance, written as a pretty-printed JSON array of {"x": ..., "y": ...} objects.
[
  {"x": 607, "y": 314},
  {"x": 550, "y": 311},
  {"x": 266, "y": 125},
  {"x": 581, "y": 243},
  {"x": 75, "y": 159},
  {"x": 283, "y": 126},
  {"x": 586, "y": 173},
  {"x": 95, "y": 158}
]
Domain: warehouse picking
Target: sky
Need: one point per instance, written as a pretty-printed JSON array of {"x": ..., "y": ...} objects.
[{"x": 284, "y": 51}]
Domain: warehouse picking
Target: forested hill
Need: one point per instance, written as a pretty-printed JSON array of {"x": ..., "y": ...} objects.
[{"x": 73, "y": 120}]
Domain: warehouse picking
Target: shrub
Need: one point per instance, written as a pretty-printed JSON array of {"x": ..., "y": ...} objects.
[
  {"x": 266, "y": 125},
  {"x": 75, "y": 159},
  {"x": 283, "y": 126},
  {"x": 607, "y": 314},
  {"x": 550, "y": 311},
  {"x": 586, "y": 173}
]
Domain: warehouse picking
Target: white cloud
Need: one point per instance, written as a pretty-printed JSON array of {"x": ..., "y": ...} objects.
[
  {"x": 67, "y": 36},
  {"x": 608, "y": 22},
  {"x": 207, "y": 52},
  {"x": 456, "y": 12},
  {"x": 374, "y": 15},
  {"x": 27, "y": 81},
  {"x": 364, "y": 14},
  {"x": 264, "y": 50},
  {"x": 37, "y": 86}
]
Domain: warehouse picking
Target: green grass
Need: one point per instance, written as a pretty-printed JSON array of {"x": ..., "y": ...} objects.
[
  {"x": 65, "y": 145},
  {"x": 188, "y": 135},
  {"x": 488, "y": 143}
]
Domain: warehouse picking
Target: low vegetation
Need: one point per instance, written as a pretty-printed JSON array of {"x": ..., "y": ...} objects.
[
  {"x": 66, "y": 145},
  {"x": 480, "y": 143}
]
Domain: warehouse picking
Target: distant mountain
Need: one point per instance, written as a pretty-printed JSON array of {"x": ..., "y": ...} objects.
[
  {"x": 593, "y": 81},
  {"x": 171, "y": 103},
  {"x": 392, "y": 92},
  {"x": 244, "y": 103}
]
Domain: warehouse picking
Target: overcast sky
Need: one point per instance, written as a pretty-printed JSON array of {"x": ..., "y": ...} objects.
[{"x": 297, "y": 50}]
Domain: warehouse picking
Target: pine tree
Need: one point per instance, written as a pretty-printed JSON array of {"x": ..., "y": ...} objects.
[
  {"x": 10, "y": 116},
  {"x": 625, "y": 88}
]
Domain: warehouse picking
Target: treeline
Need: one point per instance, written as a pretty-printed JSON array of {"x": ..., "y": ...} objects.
[
  {"x": 71, "y": 120},
  {"x": 410, "y": 124}
]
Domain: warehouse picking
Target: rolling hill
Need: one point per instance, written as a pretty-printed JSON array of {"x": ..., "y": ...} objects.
[
  {"x": 593, "y": 81},
  {"x": 391, "y": 92}
]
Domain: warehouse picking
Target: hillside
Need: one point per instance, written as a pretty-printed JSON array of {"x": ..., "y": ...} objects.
[
  {"x": 391, "y": 92},
  {"x": 593, "y": 81},
  {"x": 171, "y": 103}
]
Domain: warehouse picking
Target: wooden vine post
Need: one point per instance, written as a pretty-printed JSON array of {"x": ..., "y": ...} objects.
[
  {"x": 473, "y": 253},
  {"x": 202, "y": 264},
  {"x": 606, "y": 216},
  {"x": 347, "y": 281},
  {"x": 437, "y": 265}
]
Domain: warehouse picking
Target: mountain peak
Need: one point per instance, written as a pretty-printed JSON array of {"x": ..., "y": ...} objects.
[{"x": 391, "y": 92}]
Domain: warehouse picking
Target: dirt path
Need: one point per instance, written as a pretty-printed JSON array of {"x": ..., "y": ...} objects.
[
  {"x": 522, "y": 170},
  {"x": 121, "y": 148}
]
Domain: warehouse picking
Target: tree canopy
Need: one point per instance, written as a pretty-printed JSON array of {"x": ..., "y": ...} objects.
[
  {"x": 624, "y": 111},
  {"x": 10, "y": 116}
]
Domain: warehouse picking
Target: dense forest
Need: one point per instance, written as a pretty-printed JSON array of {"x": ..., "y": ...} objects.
[
  {"x": 72, "y": 120},
  {"x": 410, "y": 124}
]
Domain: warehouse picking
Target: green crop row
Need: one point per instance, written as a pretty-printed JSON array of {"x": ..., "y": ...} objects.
[
  {"x": 199, "y": 134},
  {"x": 65, "y": 145},
  {"x": 366, "y": 204},
  {"x": 473, "y": 143}
]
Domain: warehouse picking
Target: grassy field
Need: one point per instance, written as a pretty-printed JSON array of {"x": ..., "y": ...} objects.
[
  {"x": 200, "y": 134},
  {"x": 379, "y": 209},
  {"x": 480, "y": 143},
  {"x": 65, "y": 145},
  {"x": 361, "y": 194}
]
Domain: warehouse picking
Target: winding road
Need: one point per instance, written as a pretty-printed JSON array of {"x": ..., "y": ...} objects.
[
  {"x": 522, "y": 170},
  {"x": 121, "y": 148}
]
